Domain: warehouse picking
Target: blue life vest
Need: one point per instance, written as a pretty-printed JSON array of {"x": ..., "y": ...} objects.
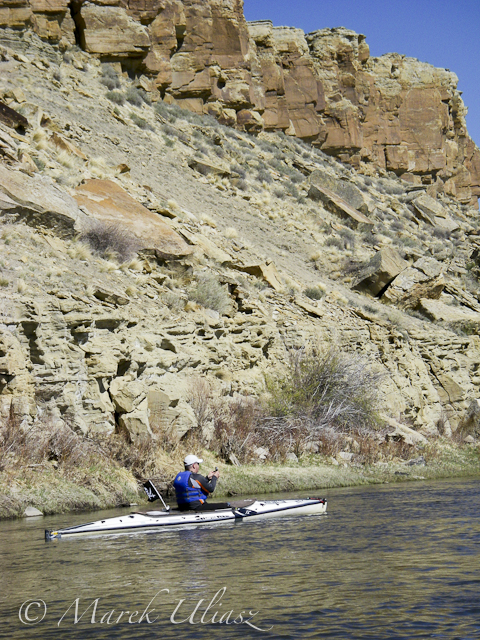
[{"x": 184, "y": 492}]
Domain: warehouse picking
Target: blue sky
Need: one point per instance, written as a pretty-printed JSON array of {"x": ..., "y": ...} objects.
[{"x": 445, "y": 33}]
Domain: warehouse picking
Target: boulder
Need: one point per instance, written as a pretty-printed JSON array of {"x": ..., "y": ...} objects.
[
  {"x": 382, "y": 269},
  {"x": 338, "y": 205},
  {"x": 345, "y": 456},
  {"x": 108, "y": 295},
  {"x": 38, "y": 202},
  {"x": 400, "y": 432},
  {"x": 250, "y": 120},
  {"x": 459, "y": 317},
  {"x": 423, "y": 280},
  {"x": 31, "y": 512},
  {"x": 126, "y": 395},
  {"x": 107, "y": 201},
  {"x": 12, "y": 118},
  {"x": 470, "y": 423},
  {"x": 346, "y": 190},
  {"x": 430, "y": 210},
  {"x": 420, "y": 462},
  {"x": 208, "y": 169},
  {"x": 263, "y": 270},
  {"x": 136, "y": 423},
  {"x": 109, "y": 30},
  {"x": 261, "y": 453}
]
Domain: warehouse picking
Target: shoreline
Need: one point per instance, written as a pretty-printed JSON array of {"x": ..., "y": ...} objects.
[{"x": 109, "y": 486}]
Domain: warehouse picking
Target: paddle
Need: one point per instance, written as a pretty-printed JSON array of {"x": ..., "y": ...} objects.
[{"x": 153, "y": 493}]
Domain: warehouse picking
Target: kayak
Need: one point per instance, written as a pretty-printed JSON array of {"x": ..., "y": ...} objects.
[{"x": 159, "y": 520}]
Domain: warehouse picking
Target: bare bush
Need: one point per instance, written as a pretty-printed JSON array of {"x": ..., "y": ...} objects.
[
  {"x": 236, "y": 428},
  {"x": 109, "y": 239},
  {"x": 323, "y": 390},
  {"x": 201, "y": 401},
  {"x": 41, "y": 442}
]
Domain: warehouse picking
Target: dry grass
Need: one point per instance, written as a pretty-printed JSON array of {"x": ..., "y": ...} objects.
[
  {"x": 208, "y": 220},
  {"x": 231, "y": 233},
  {"x": 80, "y": 251}
]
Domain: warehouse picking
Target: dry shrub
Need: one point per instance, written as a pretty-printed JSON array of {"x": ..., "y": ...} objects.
[
  {"x": 236, "y": 424},
  {"x": 321, "y": 390},
  {"x": 201, "y": 400},
  {"x": 41, "y": 442},
  {"x": 108, "y": 239}
]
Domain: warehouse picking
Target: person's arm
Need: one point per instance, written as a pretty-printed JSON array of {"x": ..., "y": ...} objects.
[{"x": 207, "y": 485}]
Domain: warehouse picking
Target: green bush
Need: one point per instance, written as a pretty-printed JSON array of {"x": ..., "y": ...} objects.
[
  {"x": 116, "y": 96},
  {"x": 208, "y": 292},
  {"x": 134, "y": 96},
  {"x": 333, "y": 241},
  {"x": 140, "y": 122},
  {"x": 314, "y": 293},
  {"x": 110, "y": 78}
]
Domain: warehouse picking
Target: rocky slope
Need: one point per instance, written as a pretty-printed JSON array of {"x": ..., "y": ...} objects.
[
  {"x": 391, "y": 112},
  {"x": 288, "y": 246}
]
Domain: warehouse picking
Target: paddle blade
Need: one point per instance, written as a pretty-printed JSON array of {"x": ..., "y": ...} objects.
[{"x": 151, "y": 491}]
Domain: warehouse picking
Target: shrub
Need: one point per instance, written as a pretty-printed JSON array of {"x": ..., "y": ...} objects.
[
  {"x": 264, "y": 176},
  {"x": 168, "y": 111},
  {"x": 333, "y": 241},
  {"x": 240, "y": 171},
  {"x": 348, "y": 238},
  {"x": 107, "y": 239},
  {"x": 208, "y": 292},
  {"x": 110, "y": 78},
  {"x": 134, "y": 96},
  {"x": 140, "y": 122},
  {"x": 314, "y": 293},
  {"x": 116, "y": 96},
  {"x": 324, "y": 390}
]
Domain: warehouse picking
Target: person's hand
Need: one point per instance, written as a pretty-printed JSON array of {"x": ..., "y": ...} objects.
[{"x": 213, "y": 473}]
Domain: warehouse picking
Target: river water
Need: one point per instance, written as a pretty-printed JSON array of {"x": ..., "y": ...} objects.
[{"x": 386, "y": 562}]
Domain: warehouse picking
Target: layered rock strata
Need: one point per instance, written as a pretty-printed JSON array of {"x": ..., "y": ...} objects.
[{"x": 394, "y": 112}]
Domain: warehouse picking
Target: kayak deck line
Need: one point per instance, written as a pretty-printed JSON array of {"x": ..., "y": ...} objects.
[{"x": 157, "y": 520}]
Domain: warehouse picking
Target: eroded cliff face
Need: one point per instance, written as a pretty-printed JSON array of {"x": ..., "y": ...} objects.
[
  {"x": 394, "y": 112},
  {"x": 104, "y": 343}
]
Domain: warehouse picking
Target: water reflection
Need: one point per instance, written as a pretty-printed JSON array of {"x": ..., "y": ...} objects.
[{"x": 387, "y": 562}]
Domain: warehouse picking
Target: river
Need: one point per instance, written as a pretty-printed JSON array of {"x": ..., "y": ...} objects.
[{"x": 386, "y": 562}]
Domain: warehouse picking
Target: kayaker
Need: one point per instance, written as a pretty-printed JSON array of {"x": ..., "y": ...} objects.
[{"x": 192, "y": 489}]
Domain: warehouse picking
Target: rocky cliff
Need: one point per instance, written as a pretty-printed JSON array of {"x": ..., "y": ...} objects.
[
  {"x": 145, "y": 247},
  {"x": 392, "y": 112}
]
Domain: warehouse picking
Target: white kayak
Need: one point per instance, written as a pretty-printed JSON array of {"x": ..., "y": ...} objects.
[{"x": 158, "y": 520}]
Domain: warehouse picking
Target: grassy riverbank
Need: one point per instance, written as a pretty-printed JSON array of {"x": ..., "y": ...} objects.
[{"x": 101, "y": 483}]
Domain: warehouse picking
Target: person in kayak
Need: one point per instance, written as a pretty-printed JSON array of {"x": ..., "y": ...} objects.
[{"x": 192, "y": 489}]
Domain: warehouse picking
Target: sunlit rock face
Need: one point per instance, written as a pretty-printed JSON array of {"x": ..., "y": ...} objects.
[{"x": 391, "y": 112}]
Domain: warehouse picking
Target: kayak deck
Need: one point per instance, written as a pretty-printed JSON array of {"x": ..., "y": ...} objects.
[{"x": 158, "y": 520}]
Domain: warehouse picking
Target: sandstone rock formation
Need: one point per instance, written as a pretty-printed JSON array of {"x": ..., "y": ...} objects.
[
  {"x": 382, "y": 269},
  {"x": 394, "y": 112},
  {"x": 103, "y": 345},
  {"x": 422, "y": 280},
  {"x": 108, "y": 202}
]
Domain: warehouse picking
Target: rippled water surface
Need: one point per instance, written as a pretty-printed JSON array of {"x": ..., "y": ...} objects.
[{"x": 396, "y": 561}]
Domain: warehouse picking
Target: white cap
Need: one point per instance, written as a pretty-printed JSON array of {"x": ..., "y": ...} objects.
[{"x": 191, "y": 460}]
